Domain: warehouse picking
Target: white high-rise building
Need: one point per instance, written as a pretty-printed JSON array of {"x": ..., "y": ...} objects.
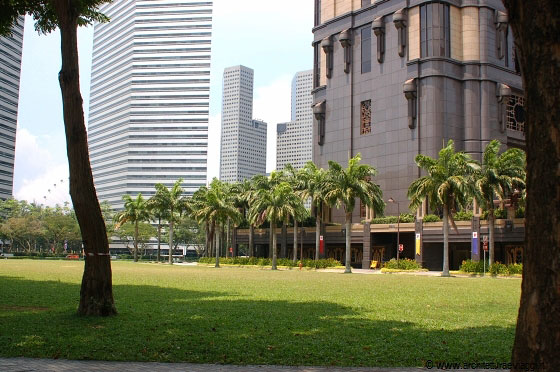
[
  {"x": 149, "y": 100},
  {"x": 243, "y": 145},
  {"x": 10, "y": 68},
  {"x": 294, "y": 139}
]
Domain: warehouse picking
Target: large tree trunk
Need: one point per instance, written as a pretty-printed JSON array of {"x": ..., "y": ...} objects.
[
  {"x": 136, "y": 241},
  {"x": 251, "y": 242},
  {"x": 491, "y": 220},
  {"x": 295, "y": 240},
  {"x": 445, "y": 241},
  {"x": 348, "y": 224},
  {"x": 284, "y": 243},
  {"x": 536, "y": 29},
  {"x": 274, "y": 254},
  {"x": 96, "y": 294}
]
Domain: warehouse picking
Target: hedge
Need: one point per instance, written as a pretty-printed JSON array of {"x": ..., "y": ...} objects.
[
  {"x": 497, "y": 268},
  {"x": 255, "y": 261}
]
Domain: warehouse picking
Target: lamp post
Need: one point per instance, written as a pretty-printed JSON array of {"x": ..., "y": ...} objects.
[{"x": 391, "y": 200}]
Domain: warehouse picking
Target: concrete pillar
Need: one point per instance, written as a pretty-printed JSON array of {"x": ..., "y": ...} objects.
[
  {"x": 475, "y": 238},
  {"x": 418, "y": 225},
  {"x": 366, "y": 255}
]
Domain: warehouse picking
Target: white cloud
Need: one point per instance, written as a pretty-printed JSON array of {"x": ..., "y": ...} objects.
[{"x": 38, "y": 169}]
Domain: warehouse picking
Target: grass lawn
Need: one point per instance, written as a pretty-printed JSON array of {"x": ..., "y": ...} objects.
[{"x": 251, "y": 316}]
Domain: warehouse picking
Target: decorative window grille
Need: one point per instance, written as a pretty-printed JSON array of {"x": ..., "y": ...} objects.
[
  {"x": 365, "y": 117},
  {"x": 515, "y": 114}
]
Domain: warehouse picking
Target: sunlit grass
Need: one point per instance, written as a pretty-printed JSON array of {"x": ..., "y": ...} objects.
[{"x": 247, "y": 316}]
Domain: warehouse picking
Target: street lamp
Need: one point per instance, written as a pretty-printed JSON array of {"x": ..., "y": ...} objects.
[{"x": 391, "y": 200}]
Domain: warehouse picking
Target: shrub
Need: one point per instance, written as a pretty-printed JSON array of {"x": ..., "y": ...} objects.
[
  {"x": 515, "y": 269},
  {"x": 405, "y": 218},
  {"x": 463, "y": 216},
  {"x": 320, "y": 264},
  {"x": 498, "y": 269},
  {"x": 431, "y": 218},
  {"x": 499, "y": 214},
  {"x": 520, "y": 212},
  {"x": 470, "y": 266},
  {"x": 403, "y": 264}
]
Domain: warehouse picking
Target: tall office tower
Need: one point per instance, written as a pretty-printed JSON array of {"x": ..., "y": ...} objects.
[
  {"x": 149, "y": 101},
  {"x": 243, "y": 145},
  {"x": 294, "y": 141},
  {"x": 10, "y": 67}
]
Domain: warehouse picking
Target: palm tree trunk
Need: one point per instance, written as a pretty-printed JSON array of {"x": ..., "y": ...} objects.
[
  {"x": 284, "y": 243},
  {"x": 348, "y": 268},
  {"x": 445, "y": 241},
  {"x": 96, "y": 293},
  {"x": 251, "y": 243},
  {"x": 270, "y": 240},
  {"x": 491, "y": 220},
  {"x": 217, "y": 234},
  {"x": 159, "y": 240},
  {"x": 295, "y": 239},
  {"x": 171, "y": 238},
  {"x": 207, "y": 243},
  {"x": 317, "y": 233},
  {"x": 274, "y": 255},
  {"x": 228, "y": 241},
  {"x": 136, "y": 241}
]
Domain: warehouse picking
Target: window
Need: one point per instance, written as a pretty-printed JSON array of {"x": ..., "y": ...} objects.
[
  {"x": 365, "y": 117},
  {"x": 366, "y": 49},
  {"x": 435, "y": 33},
  {"x": 317, "y": 65},
  {"x": 515, "y": 114}
]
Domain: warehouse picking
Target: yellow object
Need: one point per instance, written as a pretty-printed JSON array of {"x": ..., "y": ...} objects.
[
  {"x": 373, "y": 265},
  {"x": 418, "y": 247}
]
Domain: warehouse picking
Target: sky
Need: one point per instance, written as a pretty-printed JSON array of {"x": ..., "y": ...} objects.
[{"x": 274, "y": 41}]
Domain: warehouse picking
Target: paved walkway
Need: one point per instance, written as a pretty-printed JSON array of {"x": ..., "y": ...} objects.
[{"x": 49, "y": 365}]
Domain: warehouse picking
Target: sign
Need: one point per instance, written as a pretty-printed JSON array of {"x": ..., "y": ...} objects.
[
  {"x": 418, "y": 251},
  {"x": 474, "y": 243},
  {"x": 401, "y": 247},
  {"x": 230, "y": 250},
  {"x": 321, "y": 245},
  {"x": 485, "y": 246},
  {"x": 485, "y": 238}
]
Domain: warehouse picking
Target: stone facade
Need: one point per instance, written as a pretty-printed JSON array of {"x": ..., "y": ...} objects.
[{"x": 452, "y": 62}]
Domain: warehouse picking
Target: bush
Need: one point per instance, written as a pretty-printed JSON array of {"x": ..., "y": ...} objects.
[
  {"x": 463, "y": 216},
  {"x": 405, "y": 218},
  {"x": 470, "y": 266},
  {"x": 514, "y": 269},
  {"x": 499, "y": 214},
  {"x": 520, "y": 212},
  {"x": 248, "y": 261},
  {"x": 431, "y": 218},
  {"x": 403, "y": 264},
  {"x": 497, "y": 268}
]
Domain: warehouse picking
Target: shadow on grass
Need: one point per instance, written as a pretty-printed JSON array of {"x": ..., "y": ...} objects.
[{"x": 167, "y": 324}]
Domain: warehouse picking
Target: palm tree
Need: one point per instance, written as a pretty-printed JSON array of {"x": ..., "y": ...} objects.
[
  {"x": 296, "y": 180},
  {"x": 274, "y": 206},
  {"x": 447, "y": 185},
  {"x": 158, "y": 210},
  {"x": 499, "y": 176},
  {"x": 216, "y": 210},
  {"x": 313, "y": 179},
  {"x": 135, "y": 211},
  {"x": 173, "y": 201},
  {"x": 196, "y": 204},
  {"x": 344, "y": 186}
]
